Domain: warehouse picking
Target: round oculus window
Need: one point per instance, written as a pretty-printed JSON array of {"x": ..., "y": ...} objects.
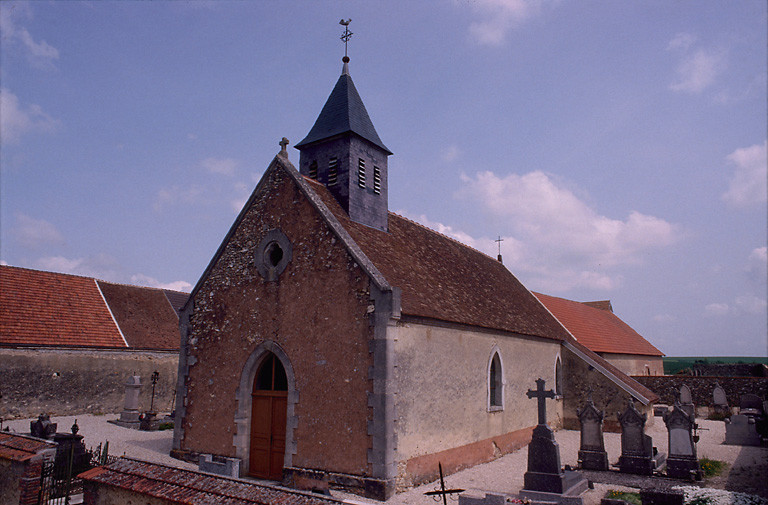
[{"x": 273, "y": 254}]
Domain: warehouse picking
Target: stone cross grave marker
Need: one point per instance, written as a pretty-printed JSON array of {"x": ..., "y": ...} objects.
[{"x": 545, "y": 479}]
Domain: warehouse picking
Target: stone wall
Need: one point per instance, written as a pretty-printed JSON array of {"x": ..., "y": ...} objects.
[
  {"x": 702, "y": 387},
  {"x": 63, "y": 382},
  {"x": 579, "y": 379}
]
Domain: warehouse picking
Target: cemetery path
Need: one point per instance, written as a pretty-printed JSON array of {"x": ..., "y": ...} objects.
[{"x": 747, "y": 472}]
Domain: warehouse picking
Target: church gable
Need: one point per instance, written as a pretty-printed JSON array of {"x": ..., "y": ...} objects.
[{"x": 282, "y": 284}]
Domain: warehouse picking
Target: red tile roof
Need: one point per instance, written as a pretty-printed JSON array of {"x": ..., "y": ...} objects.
[
  {"x": 443, "y": 279},
  {"x": 145, "y": 315},
  {"x": 599, "y": 329},
  {"x": 62, "y": 310},
  {"x": 46, "y": 308},
  {"x": 21, "y": 448},
  {"x": 185, "y": 486}
]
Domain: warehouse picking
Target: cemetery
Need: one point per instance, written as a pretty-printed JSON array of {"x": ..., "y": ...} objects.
[{"x": 656, "y": 465}]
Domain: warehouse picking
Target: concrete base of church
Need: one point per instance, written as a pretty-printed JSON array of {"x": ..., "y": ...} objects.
[
  {"x": 299, "y": 478},
  {"x": 423, "y": 469}
]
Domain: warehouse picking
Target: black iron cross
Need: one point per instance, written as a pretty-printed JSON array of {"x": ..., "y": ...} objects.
[
  {"x": 499, "y": 241},
  {"x": 442, "y": 491},
  {"x": 541, "y": 395},
  {"x": 347, "y": 34}
]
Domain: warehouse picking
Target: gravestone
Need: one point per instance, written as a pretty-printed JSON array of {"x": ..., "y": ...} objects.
[
  {"x": 751, "y": 405},
  {"x": 592, "y": 454},
  {"x": 43, "y": 427},
  {"x": 686, "y": 401},
  {"x": 71, "y": 452},
  {"x": 741, "y": 429},
  {"x": 720, "y": 400},
  {"x": 545, "y": 479},
  {"x": 682, "y": 462},
  {"x": 130, "y": 413},
  {"x": 638, "y": 455}
]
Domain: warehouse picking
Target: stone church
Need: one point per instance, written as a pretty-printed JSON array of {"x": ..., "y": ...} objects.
[{"x": 330, "y": 340}]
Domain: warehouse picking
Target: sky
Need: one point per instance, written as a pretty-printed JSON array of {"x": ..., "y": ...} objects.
[{"x": 617, "y": 148}]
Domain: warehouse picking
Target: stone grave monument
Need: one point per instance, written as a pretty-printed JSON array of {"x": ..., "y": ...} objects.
[
  {"x": 741, "y": 429},
  {"x": 751, "y": 405},
  {"x": 71, "y": 451},
  {"x": 545, "y": 480},
  {"x": 638, "y": 455},
  {"x": 129, "y": 417},
  {"x": 682, "y": 462},
  {"x": 686, "y": 401},
  {"x": 592, "y": 454},
  {"x": 43, "y": 427},
  {"x": 720, "y": 401}
]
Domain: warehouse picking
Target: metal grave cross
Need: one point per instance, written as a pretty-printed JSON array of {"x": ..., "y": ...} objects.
[
  {"x": 541, "y": 396},
  {"x": 437, "y": 493}
]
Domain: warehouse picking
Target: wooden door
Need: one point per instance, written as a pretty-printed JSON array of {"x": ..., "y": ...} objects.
[{"x": 268, "y": 416}]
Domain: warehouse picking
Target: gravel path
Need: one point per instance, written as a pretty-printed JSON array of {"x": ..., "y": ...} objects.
[{"x": 747, "y": 471}]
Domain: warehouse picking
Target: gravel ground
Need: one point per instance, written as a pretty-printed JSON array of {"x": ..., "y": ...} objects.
[{"x": 747, "y": 466}]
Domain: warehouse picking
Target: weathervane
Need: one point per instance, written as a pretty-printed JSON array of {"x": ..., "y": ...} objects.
[{"x": 346, "y": 35}]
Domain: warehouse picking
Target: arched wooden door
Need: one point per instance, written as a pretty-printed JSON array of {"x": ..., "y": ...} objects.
[{"x": 268, "y": 417}]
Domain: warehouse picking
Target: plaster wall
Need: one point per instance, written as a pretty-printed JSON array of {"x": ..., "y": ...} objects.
[
  {"x": 10, "y": 474},
  {"x": 635, "y": 364},
  {"x": 442, "y": 386},
  {"x": 316, "y": 312},
  {"x": 63, "y": 382}
]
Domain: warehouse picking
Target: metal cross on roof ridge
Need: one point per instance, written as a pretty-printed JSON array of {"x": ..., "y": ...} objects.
[
  {"x": 499, "y": 241},
  {"x": 347, "y": 34}
]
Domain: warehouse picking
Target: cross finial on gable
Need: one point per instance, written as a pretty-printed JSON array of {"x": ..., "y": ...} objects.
[{"x": 283, "y": 144}]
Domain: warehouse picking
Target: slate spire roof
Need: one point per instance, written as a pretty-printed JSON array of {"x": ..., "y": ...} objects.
[{"x": 343, "y": 112}]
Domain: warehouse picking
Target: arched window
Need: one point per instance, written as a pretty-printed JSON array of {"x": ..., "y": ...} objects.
[
  {"x": 271, "y": 375},
  {"x": 495, "y": 382},
  {"x": 559, "y": 377}
]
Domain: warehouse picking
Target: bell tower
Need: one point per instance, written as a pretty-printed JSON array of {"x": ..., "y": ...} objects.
[{"x": 344, "y": 152}]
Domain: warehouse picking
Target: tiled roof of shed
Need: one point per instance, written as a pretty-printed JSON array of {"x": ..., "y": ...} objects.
[
  {"x": 46, "y": 308},
  {"x": 443, "y": 279},
  {"x": 597, "y": 328},
  {"x": 145, "y": 315},
  {"x": 21, "y": 448},
  {"x": 188, "y": 487},
  {"x": 62, "y": 310}
]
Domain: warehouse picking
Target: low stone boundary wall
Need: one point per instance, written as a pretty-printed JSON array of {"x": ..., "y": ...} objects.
[
  {"x": 702, "y": 387},
  {"x": 65, "y": 382}
]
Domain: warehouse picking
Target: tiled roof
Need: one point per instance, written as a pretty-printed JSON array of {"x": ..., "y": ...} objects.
[
  {"x": 597, "y": 328},
  {"x": 21, "y": 448},
  {"x": 637, "y": 390},
  {"x": 46, "y": 308},
  {"x": 185, "y": 486},
  {"x": 62, "y": 310},
  {"x": 177, "y": 299},
  {"x": 343, "y": 112},
  {"x": 443, "y": 279},
  {"x": 145, "y": 315}
]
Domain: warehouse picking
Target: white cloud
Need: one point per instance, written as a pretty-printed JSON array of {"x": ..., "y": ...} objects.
[
  {"x": 556, "y": 239},
  {"x": 177, "y": 195},
  {"x": 16, "y": 120},
  {"x": 99, "y": 266},
  {"x": 145, "y": 280},
  {"x": 664, "y": 318},
  {"x": 717, "y": 309},
  {"x": 750, "y": 304},
  {"x": 12, "y": 16},
  {"x": 698, "y": 68},
  {"x": 498, "y": 17},
  {"x": 33, "y": 233},
  {"x": 450, "y": 153},
  {"x": 750, "y": 178},
  {"x": 224, "y": 166}
]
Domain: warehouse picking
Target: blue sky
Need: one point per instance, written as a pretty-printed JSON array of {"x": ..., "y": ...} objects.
[{"x": 618, "y": 148}]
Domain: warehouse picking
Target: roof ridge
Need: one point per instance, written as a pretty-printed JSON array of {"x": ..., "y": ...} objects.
[
  {"x": 140, "y": 287},
  {"x": 446, "y": 236}
]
